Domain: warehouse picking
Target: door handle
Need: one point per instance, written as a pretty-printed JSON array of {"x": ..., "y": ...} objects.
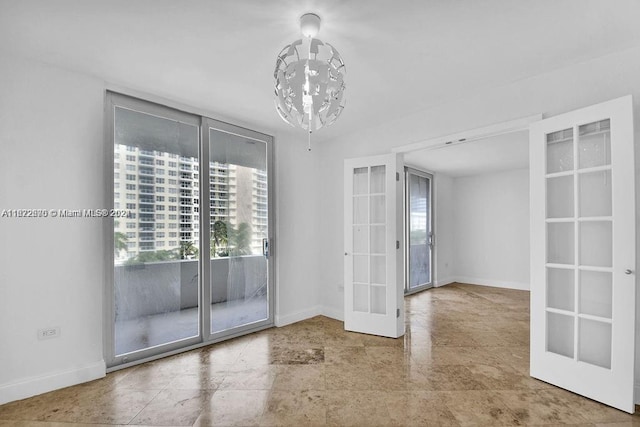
[
  {"x": 627, "y": 271},
  {"x": 265, "y": 247}
]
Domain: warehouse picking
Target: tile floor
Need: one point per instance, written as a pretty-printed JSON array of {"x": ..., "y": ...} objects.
[{"x": 463, "y": 361}]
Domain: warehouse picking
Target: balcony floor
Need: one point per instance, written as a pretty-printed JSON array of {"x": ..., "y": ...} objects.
[{"x": 157, "y": 329}]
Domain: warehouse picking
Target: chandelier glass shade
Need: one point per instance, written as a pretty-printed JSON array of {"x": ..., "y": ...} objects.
[{"x": 309, "y": 83}]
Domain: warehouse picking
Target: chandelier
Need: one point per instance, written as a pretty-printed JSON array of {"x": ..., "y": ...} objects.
[{"x": 309, "y": 80}]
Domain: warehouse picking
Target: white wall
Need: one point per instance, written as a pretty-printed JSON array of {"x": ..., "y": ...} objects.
[
  {"x": 51, "y": 133},
  {"x": 491, "y": 233},
  {"x": 556, "y": 92},
  {"x": 52, "y": 270},
  {"x": 297, "y": 214}
]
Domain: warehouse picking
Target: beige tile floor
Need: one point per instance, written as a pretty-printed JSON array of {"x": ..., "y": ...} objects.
[{"x": 463, "y": 361}]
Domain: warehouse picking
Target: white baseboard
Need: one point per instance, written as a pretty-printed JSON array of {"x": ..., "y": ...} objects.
[
  {"x": 288, "y": 319},
  {"x": 333, "y": 313},
  {"x": 494, "y": 283},
  {"x": 442, "y": 282},
  {"x": 636, "y": 394},
  {"x": 45, "y": 383}
]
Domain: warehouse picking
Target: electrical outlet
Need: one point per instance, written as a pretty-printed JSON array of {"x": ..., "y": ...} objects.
[{"x": 44, "y": 334}]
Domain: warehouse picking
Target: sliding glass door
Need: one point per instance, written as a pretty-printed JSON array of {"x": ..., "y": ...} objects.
[
  {"x": 237, "y": 213},
  {"x": 191, "y": 223},
  {"x": 419, "y": 230}
]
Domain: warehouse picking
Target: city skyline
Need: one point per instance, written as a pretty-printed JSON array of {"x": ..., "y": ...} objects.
[{"x": 161, "y": 192}]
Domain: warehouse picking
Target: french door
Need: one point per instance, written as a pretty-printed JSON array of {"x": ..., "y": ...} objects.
[
  {"x": 191, "y": 236},
  {"x": 583, "y": 252},
  {"x": 373, "y": 269},
  {"x": 419, "y": 237}
]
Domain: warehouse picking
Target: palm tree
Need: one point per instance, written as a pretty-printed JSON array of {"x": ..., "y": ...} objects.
[
  {"x": 240, "y": 240},
  {"x": 119, "y": 240},
  {"x": 219, "y": 239},
  {"x": 187, "y": 250}
]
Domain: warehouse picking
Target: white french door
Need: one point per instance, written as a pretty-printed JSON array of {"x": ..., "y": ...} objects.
[
  {"x": 373, "y": 268},
  {"x": 583, "y": 252}
]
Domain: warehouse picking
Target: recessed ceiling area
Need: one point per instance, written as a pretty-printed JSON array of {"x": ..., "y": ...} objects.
[{"x": 508, "y": 151}]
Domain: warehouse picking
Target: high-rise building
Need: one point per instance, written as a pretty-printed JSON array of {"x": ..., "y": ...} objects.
[{"x": 161, "y": 193}]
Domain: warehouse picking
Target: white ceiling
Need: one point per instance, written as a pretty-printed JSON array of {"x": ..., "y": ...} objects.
[
  {"x": 498, "y": 153},
  {"x": 402, "y": 56}
]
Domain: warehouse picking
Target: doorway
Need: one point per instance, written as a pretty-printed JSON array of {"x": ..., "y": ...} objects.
[{"x": 480, "y": 208}]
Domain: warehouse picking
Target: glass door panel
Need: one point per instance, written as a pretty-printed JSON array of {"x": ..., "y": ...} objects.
[
  {"x": 560, "y": 288},
  {"x": 369, "y": 230},
  {"x": 579, "y": 236},
  {"x": 156, "y": 257},
  {"x": 596, "y": 293},
  {"x": 419, "y": 230},
  {"x": 594, "y": 145},
  {"x": 560, "y": 332},
  {"x": 595, "y": 342},
  {"x": 237, "y": 189}
]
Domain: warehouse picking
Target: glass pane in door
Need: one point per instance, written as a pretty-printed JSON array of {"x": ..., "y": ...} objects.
[
  {"x": 560, "y": 334},
  {"x": 595, "y": 343},
  {"x": 594, "y": 145},
  {"x": 560, "y": 288},
  {"x": 237, "y": 188},
  {"x": 596, "y": 294},
  {"x": 156, "y": 271},
  {"x": 369, "y": 235},
  {"x": 579, "y": 235},
  {"x": 418, "y": 199},
  {"x": 560, "y": 197},
  {"x": 561, "y": 223},
  {"x": 560, "y": 151}
]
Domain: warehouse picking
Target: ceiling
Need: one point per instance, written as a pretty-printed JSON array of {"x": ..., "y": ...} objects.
[
  {"x": 474, "y": 157},
  {"x": 402, "y": 56}
]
